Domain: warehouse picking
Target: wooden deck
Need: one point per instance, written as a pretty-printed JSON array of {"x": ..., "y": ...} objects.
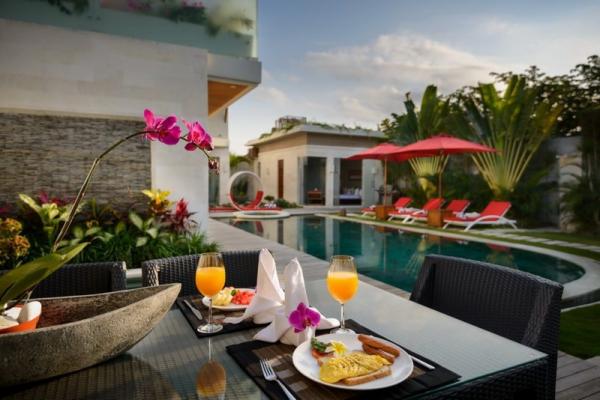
[{"x": 576, "y": 379}]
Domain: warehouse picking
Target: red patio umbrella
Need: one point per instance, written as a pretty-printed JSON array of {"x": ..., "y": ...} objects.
[
  {"x": 384, "y": 152},
  {"x": 441, "y": 145}
]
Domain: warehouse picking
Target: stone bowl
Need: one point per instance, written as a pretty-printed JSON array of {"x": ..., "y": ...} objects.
[{"x": 77, "y": 332}]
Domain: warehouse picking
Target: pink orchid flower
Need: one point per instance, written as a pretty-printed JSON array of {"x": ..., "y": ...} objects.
[
  {"x": 303, "y": 317},
  {"x": 197, "y": 137},
  {"x": 164, "y": 130}
]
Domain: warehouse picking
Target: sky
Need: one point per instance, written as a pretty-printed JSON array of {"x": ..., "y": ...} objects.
[{"x": 352, "y": 62}]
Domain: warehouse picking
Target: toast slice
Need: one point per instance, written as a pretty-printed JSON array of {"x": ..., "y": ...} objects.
[{"x": 359, "y": 380}]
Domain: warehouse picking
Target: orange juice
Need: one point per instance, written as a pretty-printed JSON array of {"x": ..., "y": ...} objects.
[
  {"x": 210, "y": 280},
  {"x": 342, "y": 285}
]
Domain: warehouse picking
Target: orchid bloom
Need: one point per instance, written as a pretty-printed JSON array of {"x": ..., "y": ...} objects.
[
  {"x": 197, "y": 137},
  {"x": 164, "y": 130},
  {"x": 303, "y": 317}
]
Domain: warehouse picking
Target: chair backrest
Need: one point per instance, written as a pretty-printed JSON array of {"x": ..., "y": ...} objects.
[
  {"x": 241, "y": 268},
  {"x": 85, "y": 278},
  {"x": 511, "y": 303},
  {"x": 458, "y": 206},
  {"x": 433, "y": 204},
  {"x": 402, "y": 202},
  {"x": 498, "y": 208}
]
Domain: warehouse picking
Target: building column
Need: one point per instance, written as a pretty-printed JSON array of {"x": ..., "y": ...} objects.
[
  {"x": 331, "y": 176},
  {"x": 184, "y": 174}
]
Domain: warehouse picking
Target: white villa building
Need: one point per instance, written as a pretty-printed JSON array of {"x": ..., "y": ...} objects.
[
  {"x": 305, "y": 162},
  {"x": 94, "y": 66}
]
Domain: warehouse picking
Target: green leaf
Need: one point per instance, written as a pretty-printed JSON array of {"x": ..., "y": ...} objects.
[
  {"x": 141, "y": 241},
  {"x": 136, "y": 220},
  {"x": 78, "y": 232},
  {"x": 93, "y": 230},
  {"x": 17, "y": 281},
  {"x": 120, "y": 227},
  {"x": 30, "y": 202},
  {"x": 152, "y": 232}
]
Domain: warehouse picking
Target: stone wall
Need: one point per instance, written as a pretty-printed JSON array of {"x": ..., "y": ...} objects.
[{"x": 53, "y": 153}]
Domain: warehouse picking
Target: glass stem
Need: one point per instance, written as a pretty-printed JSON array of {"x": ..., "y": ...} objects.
[
  {"x": 342, "y": 323},
  {"x": 210, "y": 311}
]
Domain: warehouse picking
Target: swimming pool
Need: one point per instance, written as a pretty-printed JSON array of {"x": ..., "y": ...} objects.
[{"x": 394, "y": 256}]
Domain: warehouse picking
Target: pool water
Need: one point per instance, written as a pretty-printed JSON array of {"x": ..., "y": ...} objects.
[{"x": 394, "y": 256}]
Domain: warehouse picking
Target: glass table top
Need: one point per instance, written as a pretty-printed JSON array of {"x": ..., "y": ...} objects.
[{"x": 172, "y": 362}]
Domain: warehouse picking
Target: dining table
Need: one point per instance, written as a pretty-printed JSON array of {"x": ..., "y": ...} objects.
[{"x": 172, "y": 362}]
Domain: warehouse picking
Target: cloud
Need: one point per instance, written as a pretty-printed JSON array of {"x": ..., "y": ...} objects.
[
  {"x": 378, "y": 74},
  {"x": 271, "y": 94},
  {"x": 405, "y": 60}
]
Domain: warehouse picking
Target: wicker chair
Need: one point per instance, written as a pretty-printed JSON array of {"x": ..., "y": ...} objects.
[
  {"x": 241, "y": 269},
  {"x": 511, "y": 303},
  {"x": 86, "y": 278}
]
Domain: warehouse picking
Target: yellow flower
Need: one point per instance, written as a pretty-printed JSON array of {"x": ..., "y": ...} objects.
[{"x": 338, "y": 348}]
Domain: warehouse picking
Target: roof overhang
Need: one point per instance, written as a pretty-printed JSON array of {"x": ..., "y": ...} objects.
[{"x": 230, "y": 78}]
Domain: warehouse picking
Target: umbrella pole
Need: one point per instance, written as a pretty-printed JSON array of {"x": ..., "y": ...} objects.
[
  {"x": 440, "y": 185},
  {"x": 385, "y": 182}
]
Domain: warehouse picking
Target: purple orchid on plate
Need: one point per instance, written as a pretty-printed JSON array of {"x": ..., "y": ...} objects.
[{"x": 304, "y": 317}]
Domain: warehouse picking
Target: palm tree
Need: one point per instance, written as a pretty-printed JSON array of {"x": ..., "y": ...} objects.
[
  {"x": 515, "y": 123},
  {"x": 417, "y": 125}
]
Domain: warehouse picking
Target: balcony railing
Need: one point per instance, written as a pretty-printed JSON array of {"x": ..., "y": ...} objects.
[{"x": 225, "y": 27}]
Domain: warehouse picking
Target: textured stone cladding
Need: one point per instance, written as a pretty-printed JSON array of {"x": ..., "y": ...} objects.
[{"x": 54, "y": 153}]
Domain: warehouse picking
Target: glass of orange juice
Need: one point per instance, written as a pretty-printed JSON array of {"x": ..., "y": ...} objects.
[
  {"x": 210, "y": 279},
  {"x": 342, "y": 282}
]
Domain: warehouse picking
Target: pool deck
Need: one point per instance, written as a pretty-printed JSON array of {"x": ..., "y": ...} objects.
[{"x": 576, "y": 378}]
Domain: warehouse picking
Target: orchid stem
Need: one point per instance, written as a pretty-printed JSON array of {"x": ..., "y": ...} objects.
[{"x": 65, "y": 228}]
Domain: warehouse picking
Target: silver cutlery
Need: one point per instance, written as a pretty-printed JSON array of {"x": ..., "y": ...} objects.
[
  {"x": 269, "y": 374},
  {"x": 423, "y": 363},
  {"x": 194, "y": 310}
]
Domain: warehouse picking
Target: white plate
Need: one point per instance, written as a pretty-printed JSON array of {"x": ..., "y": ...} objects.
[
  {"x": 230, "y": 306},
  {"x": 307, "y": 365}
]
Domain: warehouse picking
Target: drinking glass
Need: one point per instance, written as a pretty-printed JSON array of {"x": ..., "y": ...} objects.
[
  {"x": 210, "y": 279},
  {"x": 342, "y": 282}
]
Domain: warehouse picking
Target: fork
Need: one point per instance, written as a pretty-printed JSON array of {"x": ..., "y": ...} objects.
[{"x": 269, "y": 374}]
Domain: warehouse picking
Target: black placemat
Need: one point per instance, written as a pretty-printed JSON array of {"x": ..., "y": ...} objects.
[
  {"x": 218, "y": 316},
  {"x": 248, "y": 354}
]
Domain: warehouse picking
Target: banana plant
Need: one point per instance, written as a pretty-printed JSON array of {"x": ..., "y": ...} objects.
[
  {"x": 515, "y": 123},
  {"x": 417, "y": 125}
]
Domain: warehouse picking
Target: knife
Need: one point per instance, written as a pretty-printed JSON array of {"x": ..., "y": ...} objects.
[{"x": 194, "y": 310}]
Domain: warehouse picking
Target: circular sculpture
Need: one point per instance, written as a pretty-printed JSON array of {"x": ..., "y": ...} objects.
[{"x": 252, "y": 210}]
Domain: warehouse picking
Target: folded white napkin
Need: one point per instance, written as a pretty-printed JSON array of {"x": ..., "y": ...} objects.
[
  {"x": 295, "y": 293},
  {"x": 269, "y": 295}
]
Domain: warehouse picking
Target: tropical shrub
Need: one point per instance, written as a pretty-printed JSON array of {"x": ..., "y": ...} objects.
[
  {"x": 515, "y": 123},
  {"x": 417, "y": 125}
]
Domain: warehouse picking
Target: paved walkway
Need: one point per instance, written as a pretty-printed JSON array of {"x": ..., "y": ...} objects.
[
  {"x": 516, "y": 234},
  {"x": 576, "y": 379}
]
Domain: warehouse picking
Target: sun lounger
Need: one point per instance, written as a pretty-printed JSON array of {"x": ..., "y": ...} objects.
[
  {"x": 492, "y": 215},
  {"x": 401, "y": 203},
  {"x": 409, "y": 214},
  {"x": 455, "y": 206}
]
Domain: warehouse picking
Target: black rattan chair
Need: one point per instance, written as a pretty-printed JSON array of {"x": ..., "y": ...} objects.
[
  {"x": 511, "y": 303},
  {"x": 241, "y": 268},
  {"x": 86, "y": 278}
]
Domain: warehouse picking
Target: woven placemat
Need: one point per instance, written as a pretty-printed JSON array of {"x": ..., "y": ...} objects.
[
  {"x": 218, "y": 317},
  {"x": 248, "y": 354}
]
